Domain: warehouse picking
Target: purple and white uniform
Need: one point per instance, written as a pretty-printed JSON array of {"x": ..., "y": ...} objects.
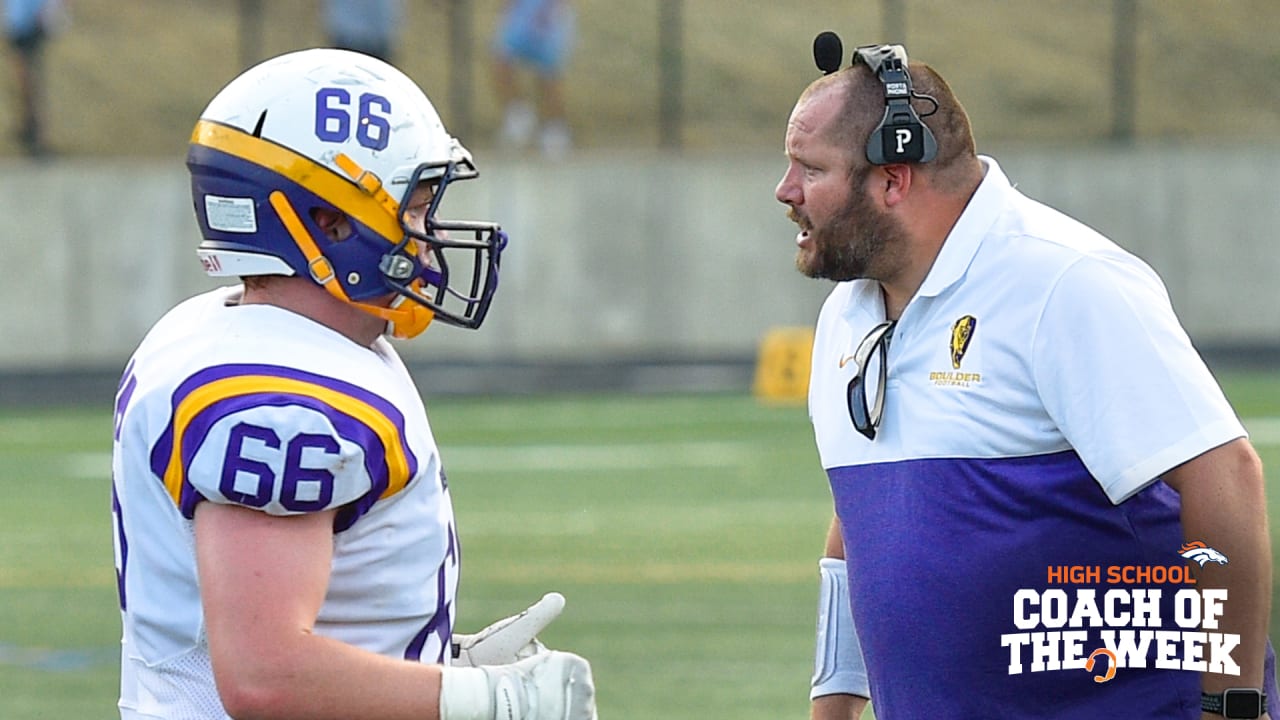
[
  {"x": 1038, "y": 385},
  {"x": 253, "y": 405}
]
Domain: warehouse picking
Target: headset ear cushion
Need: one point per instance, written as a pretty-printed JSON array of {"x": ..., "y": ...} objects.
[
  {"x": 930, "y": 144},
  {"x": 901, "y": 136},
  {"x": 910, "y": 142}
]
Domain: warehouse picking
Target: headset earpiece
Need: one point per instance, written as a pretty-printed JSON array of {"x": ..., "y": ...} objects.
[{"x": 901, "y": 136}]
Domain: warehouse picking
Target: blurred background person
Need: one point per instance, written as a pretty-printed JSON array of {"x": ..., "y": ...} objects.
[
  {"x": 28, "y": 24},
  {"x": 537, "y": 36},
  {"x": 365, "y": 26}
]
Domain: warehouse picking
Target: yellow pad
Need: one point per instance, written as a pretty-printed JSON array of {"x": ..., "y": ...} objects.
[{"x": 782, "y": 366}]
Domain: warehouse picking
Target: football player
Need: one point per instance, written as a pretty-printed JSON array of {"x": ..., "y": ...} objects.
[{"x": 285, "y": 541}]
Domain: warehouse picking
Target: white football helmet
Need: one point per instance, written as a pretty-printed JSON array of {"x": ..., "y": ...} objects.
[{"x": 339, "y": 130}]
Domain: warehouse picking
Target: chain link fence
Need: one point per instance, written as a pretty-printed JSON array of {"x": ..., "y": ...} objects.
[{"x": 129, "y": 79}]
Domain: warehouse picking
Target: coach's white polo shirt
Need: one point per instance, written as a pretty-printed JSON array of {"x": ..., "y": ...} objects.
[{"x": 1038, "y": 384}]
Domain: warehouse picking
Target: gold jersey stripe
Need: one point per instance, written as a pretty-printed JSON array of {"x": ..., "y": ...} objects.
[{"x": 206, "y": 395}]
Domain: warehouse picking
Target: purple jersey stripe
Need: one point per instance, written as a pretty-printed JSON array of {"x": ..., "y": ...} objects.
[
  {"x": 222, "y": 372},
  {"x": 128, "y": 383},
  {"x": 348, "y": 428},
  {"x": 261, "y": 392},
  {"x": 124, "y": 547},
  {"x": 441, "y": 622}
]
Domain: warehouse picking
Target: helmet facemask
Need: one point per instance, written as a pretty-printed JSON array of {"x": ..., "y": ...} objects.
[
  {"x": 419, "y": 268},
  {"x": 459, "y": 274}
]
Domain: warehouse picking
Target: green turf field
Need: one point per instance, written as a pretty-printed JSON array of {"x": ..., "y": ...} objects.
[{"x": 682, "y": 530}]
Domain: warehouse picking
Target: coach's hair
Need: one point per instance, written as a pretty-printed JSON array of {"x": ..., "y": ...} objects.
[{"x": 955, "y": 165}]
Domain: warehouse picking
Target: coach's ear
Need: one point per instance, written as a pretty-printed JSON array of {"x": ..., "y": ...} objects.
[{"x": 895, "y": 184}]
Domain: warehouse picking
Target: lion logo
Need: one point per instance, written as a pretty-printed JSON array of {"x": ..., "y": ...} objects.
[
  {"x": 1201, "y": 553},
  {"x": 961, "y": 335}
]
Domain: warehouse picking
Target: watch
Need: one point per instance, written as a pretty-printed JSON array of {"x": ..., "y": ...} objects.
[{"x": 1241, "y": 703}]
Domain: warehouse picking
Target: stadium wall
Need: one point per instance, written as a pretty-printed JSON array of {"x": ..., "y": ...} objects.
[{"x": 621, "y": 266}]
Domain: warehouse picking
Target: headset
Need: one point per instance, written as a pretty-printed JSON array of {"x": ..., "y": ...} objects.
[{"x": 901, "y": 136}]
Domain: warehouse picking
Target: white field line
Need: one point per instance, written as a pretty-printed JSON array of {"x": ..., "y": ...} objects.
[
  {"x": 628, "y": 456},
  {"x": 1263, "y": 431},
  {"x": 551, "y": 457}
]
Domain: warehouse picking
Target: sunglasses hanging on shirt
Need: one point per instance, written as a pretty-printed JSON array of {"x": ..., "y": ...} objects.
[{"x": 866, "y": 418}]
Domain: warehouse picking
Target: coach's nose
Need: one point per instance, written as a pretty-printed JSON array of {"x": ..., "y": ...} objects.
[{"x": 788, "y": 190}]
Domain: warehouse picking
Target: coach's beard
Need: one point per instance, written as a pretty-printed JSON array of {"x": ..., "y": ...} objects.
[{"x": 848, "y": 246}]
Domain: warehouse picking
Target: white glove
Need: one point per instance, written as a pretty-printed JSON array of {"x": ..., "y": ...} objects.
[
  {"x": 551, "y": 685},
  {"x": 509, "y": 639}
]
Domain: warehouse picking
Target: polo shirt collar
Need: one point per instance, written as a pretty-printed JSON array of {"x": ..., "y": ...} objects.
[
  {"x": 957, "y": 252},
  {"x": 971, "y": 227}
]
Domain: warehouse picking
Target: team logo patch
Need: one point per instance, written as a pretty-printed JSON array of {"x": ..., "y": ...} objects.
[
  {"x": 1201, "y": 553},
  {"x": 961, "y": 335},
  {"x": 960, "y": 341}
]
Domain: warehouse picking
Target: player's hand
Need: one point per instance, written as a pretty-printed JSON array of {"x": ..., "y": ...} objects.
[
  {"x": 552, "y": 685},
  {"x": 509, "y": 639}
]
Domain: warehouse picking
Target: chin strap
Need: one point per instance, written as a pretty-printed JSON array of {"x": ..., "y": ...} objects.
[
  {"x": 404, "y": 319},
  {"x": 369, "y": 184}
]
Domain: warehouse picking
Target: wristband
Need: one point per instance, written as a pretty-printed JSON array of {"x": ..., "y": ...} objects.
[
  {"x": 465, "y": 694},
  {"x": 838, "y": 667}
]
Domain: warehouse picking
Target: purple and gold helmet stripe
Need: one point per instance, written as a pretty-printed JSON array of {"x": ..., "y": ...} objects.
[
  {"x": 346, "y": 194},
  {"x": 357, "y": 415}
]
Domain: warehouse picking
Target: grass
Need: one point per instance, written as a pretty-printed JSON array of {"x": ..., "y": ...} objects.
[
  {"x": 130, "y": 78},
  {"x": 682, "y": 530},
  {"x": 674, "y": 542}
]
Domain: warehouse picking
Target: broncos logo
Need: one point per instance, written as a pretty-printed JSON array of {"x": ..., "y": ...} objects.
[
  {"x": 1201, "y": 553},
  {"x": 961, "y": 334}
]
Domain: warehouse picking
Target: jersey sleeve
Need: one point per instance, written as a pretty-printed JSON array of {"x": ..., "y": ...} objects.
[
  {"x": 281, "y": 441},
  {"x": 1121, "y": 379}
]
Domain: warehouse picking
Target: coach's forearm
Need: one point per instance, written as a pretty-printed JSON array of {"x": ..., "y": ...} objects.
[
  {"x": 839, "y": 669},
  {"x": 835, "y": 540},
  {"x": 1224, "y": 505}
]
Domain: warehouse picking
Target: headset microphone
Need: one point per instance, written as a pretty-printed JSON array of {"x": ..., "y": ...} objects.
[
  {"x": 828, "y": 52},
  {"x": 901, "y": 136}
]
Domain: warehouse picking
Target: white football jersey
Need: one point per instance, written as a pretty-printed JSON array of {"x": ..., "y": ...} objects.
[{"x": 256, "y": 406}]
